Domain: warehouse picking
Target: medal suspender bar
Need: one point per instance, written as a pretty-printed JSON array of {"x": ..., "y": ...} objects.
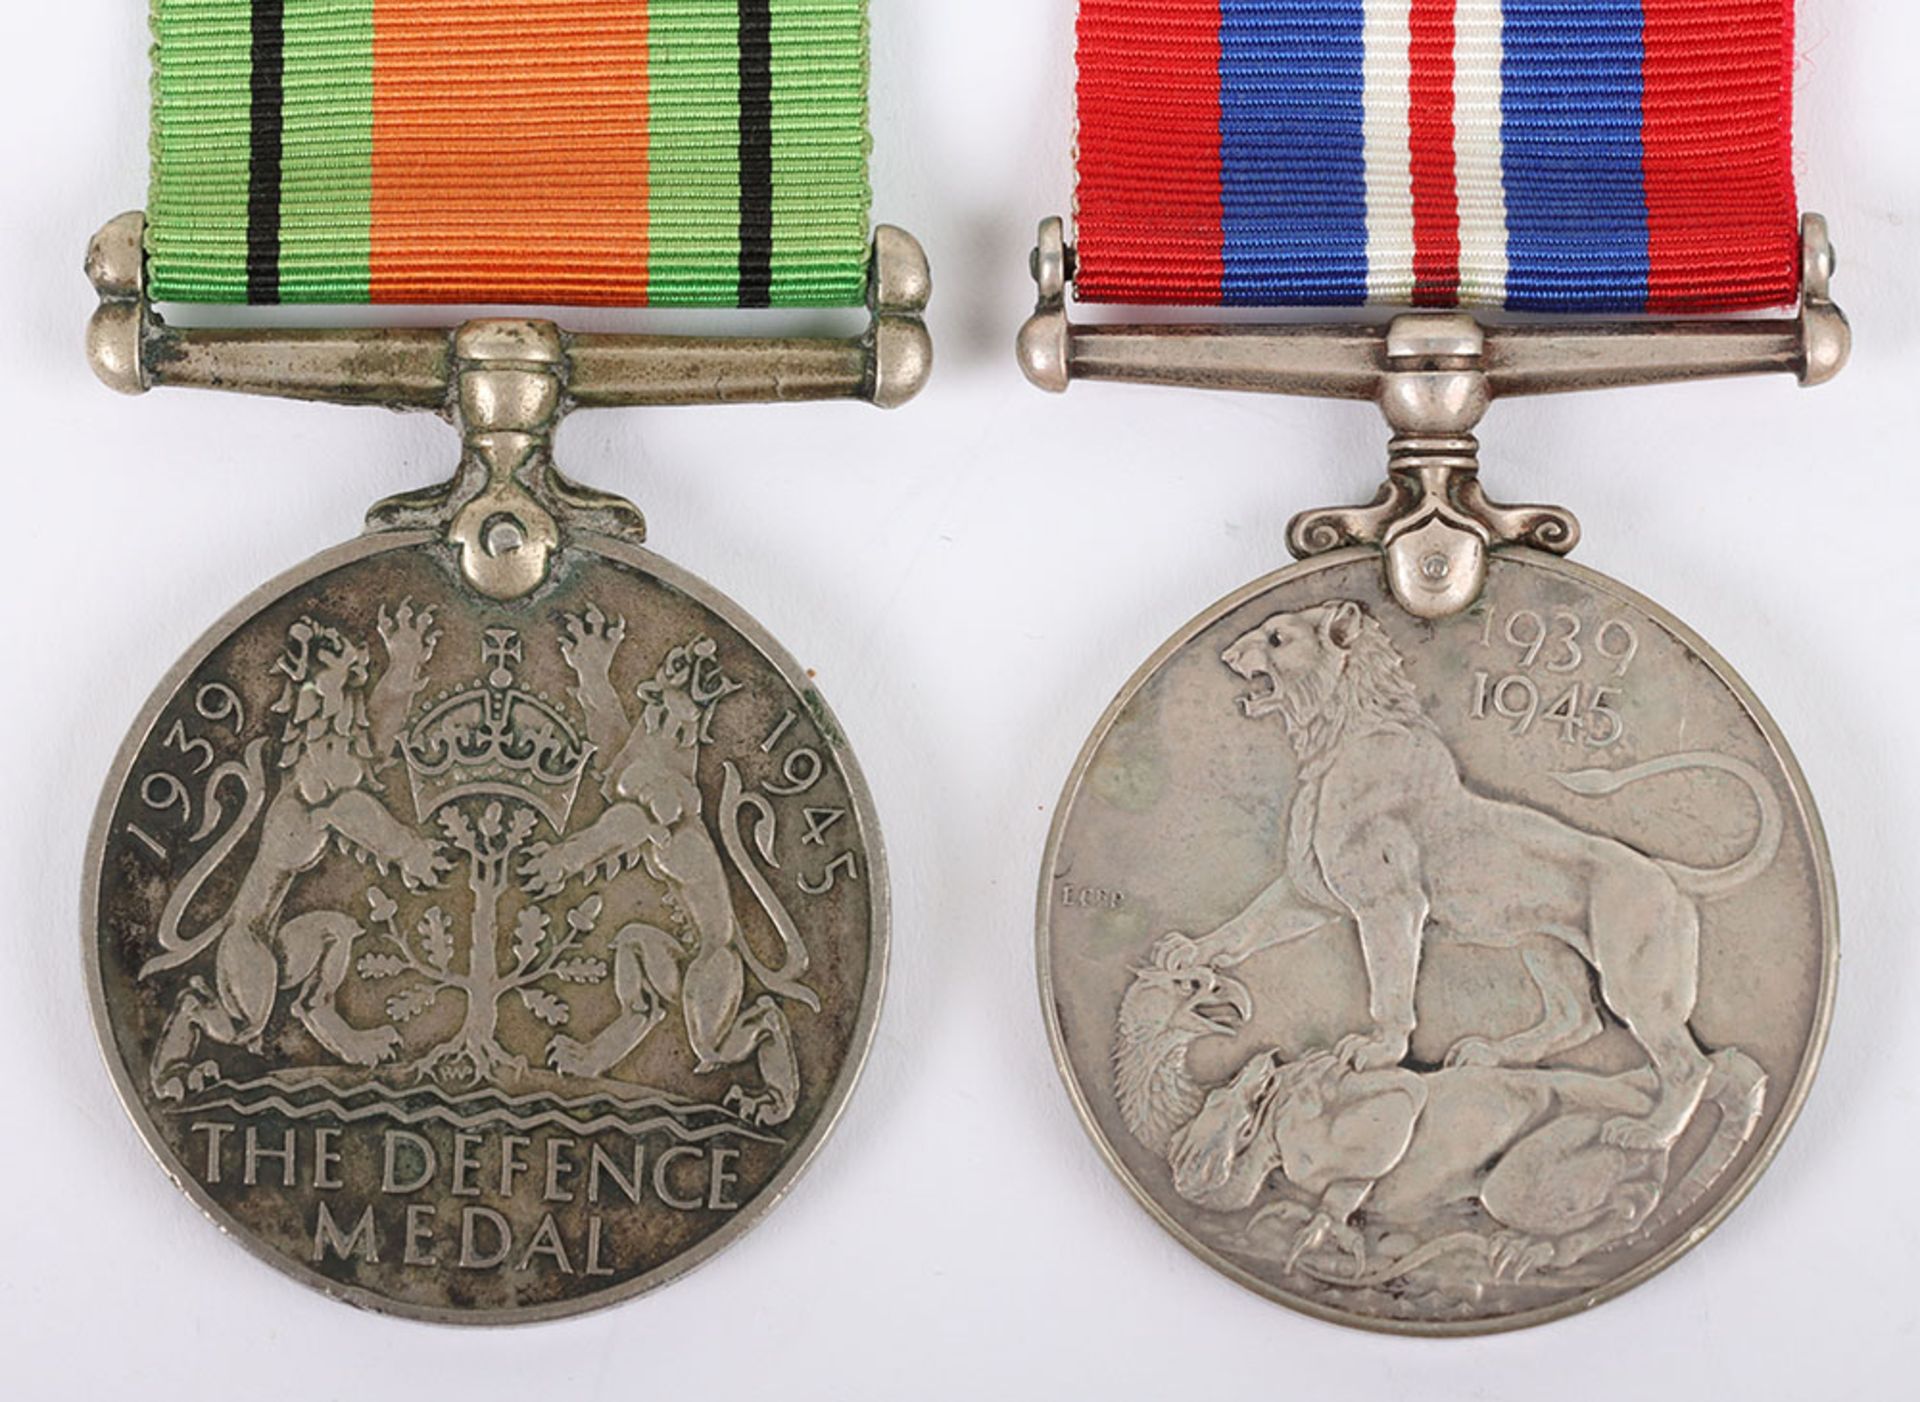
[
  {"x": 450, "y": 372},
  {"x": 1621, "y": 157}
]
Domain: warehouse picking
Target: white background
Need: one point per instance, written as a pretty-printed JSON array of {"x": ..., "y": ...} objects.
[{"x": 973, "y": 577}]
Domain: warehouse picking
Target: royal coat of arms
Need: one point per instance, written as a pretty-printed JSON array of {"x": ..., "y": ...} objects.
[{"x": 554, "y": 903}]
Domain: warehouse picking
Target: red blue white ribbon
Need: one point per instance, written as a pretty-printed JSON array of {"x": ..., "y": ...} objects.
[{"x": 1550, "y": 155}]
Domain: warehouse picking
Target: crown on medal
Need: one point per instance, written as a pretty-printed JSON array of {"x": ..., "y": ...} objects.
[{"x": 497, "y": 740}]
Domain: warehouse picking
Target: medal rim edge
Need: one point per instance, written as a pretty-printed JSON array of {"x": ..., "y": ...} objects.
[
  {"x": 792, "y": 1169},
  {"x": 1657, "y": 1262}
]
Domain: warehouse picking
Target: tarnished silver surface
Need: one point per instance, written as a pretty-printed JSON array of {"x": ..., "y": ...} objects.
[
  {"x": 1437, "y": 976},
  {"x": 487, "y": 920},
  {"x": 485, "y": 960}
]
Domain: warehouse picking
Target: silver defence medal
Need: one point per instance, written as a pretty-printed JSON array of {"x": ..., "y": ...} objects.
[{"x": 487, "y": 920}]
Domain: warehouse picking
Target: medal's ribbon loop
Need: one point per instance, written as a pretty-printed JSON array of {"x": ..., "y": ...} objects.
[
  {"x": 622, "y": 152},
  {"x": 1541, "y": 155}
]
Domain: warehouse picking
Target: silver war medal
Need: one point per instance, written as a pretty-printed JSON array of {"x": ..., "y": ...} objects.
[{"x": 1436, "y": 936}]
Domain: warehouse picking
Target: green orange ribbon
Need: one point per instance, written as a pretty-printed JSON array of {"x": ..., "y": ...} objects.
[{"x": 617, "y": 152}]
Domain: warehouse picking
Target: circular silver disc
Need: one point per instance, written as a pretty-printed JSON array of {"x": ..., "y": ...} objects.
[
  {"x": 1437, "y": 978},
  {"x": 485, "y": 961}
]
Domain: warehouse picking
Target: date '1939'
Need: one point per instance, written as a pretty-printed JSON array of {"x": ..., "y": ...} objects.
[
  {"x": 1557, "y": 643},
  {"x": 165, "y": 793}
]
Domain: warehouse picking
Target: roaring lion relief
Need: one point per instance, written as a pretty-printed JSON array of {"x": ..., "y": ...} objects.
[
  {"x": 1383, "y": 832},
  {"x": 1384, "y": 835}
]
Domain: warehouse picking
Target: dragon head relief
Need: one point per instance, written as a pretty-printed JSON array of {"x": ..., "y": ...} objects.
[
  {"x": 1171, "y": 1004},
  {"x": 1209, "y": 1155},
  {"x": 1503, "y": 1160}
]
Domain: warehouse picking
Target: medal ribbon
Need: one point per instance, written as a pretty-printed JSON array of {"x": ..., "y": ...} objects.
[
  {"x": 1542, "y": 155},
  {"x": 620, "y": 152}
]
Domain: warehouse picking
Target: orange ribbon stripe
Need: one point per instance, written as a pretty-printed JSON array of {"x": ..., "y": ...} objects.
[{"x": 544, "y": 99}]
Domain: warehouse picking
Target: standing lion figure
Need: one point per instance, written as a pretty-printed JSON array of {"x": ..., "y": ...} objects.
[
  {"x": 649, "y": 775},
  {"x": 1384, "y": 834},
  {"x": 336, "y": 738}
]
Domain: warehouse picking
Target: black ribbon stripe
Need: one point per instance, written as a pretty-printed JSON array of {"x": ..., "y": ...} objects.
[
  {"x": 263, "y": 180},
  {"x": 756, "y": 153}
]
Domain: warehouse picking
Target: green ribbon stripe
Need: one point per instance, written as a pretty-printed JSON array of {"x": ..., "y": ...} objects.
[{"x": 265, "y": 127}]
